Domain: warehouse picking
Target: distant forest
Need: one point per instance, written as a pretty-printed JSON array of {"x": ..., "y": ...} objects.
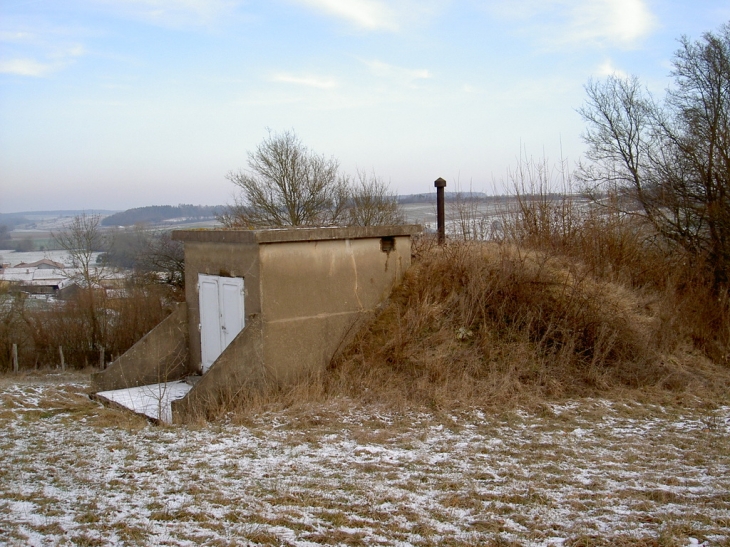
[{"x": 155, "y": 214}]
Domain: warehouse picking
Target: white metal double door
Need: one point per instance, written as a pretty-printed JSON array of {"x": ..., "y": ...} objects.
[{"x": 221, "y": 314}]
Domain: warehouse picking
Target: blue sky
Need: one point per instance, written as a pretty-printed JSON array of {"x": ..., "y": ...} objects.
[{"x": 125, "y": 103}]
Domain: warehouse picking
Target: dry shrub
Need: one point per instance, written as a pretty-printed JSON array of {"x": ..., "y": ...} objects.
[
  {"x": 612, "y": 246},
  {"x": 40, "y": 328},
  {"x": 602, "y": 234},
  {"x": 580, "y": 303},
  {"x": 13, "y": 329},
  {"x": 694, "y": 314},
  {"x": 608, "y": 244}
]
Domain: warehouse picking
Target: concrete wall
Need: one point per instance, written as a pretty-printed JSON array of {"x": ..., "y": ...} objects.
[
  {"x": 333, "y": 273},
  {"x": 162, "y": 355},
  {"x": 313, "y": 293},
  {"x": 306, "y": 292}
]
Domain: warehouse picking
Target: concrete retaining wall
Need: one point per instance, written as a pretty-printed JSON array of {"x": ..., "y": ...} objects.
[
  {"x": 314, "y": 292},
  {"x": 162, "y": 355},
  {"x": 306, "y": 293}
]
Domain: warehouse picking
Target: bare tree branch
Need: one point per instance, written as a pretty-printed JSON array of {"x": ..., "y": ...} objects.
[{"x": 673, "y": 159}]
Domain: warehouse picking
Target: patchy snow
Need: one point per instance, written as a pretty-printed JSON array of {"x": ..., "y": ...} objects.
[
  {"x": 153, "y": 401},
  {"x": 76, "y": 473}
]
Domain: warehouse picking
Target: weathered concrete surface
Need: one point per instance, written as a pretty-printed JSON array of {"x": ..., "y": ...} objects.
[
  {"x": 306, "y": 293},
  {"x": 151, "y": 401},
  {"x": 313, "y": 293},
  {"x": 281, "y": 235},
  {"x": 239, "y": 367},
  {"x": 162, "y": 355},
  {"x": 309, "y": 272}
]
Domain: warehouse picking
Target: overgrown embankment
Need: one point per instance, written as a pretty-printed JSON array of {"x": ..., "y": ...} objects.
[
  {"x": 493, "y": 324},
  {"x": 566, "y": 300}
]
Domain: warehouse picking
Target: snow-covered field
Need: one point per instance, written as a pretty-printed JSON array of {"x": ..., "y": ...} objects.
[{"x": 580, "y": 473}]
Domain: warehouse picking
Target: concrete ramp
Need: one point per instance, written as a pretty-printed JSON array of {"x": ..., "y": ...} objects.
[{"x": 153, "y": 401}]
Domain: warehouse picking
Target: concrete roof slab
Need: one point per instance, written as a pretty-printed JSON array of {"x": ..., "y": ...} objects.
[{"x": 282, "y": 235}]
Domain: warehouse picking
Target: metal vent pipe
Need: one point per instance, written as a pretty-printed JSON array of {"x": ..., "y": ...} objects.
[{"x": 440, "y": 184}]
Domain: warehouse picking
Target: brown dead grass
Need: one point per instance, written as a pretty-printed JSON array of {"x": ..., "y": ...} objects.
[{"x": 571, "y": 301}]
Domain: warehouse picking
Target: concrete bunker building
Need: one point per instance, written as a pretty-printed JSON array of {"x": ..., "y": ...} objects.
[{"x": 262, "y": 307}]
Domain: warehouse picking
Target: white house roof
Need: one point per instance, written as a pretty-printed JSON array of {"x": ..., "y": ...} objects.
[
  {"x": 44, "y": 263},
  {"x": 38, "y": 276},
  {"x": 44, "y": 277}
]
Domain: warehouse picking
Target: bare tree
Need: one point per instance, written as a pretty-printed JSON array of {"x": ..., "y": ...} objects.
[
  {"x": 162, "y": 254},
  {"x": 81, "y": 239},
  {"x": 372, "y": 203},
  {"x": 670, "y": 162},
  {"x": 287, "y": 185}
]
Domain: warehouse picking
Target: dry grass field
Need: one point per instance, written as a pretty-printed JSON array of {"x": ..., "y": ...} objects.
[{"x": 579, "y": 472}]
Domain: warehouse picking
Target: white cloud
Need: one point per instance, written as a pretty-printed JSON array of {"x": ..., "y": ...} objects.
[
  {"x": 570, "y": 22},
  {"x": 620, "y": 21},
  {"x": 37, "y": 51},
  {"x": 308, "y": 81},
  {"x": 365, "y": 14},
  {"x": 65, "y": 51},
  {"x": 384, "y": 70},
  {"x": 607, "y": 68},
  {"x": 25, "y": 67},
  {"x": 16, "y": 37}
]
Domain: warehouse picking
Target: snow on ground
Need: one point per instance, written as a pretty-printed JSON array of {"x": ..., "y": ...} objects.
[
  {"x": 582, "y": 473},
  {"x": 153, "y": 401}
]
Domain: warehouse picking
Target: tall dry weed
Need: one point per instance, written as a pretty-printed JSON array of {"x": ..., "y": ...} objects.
[
  {"x": 568, "y": 297},
  {"x": 611, "y": 245}
]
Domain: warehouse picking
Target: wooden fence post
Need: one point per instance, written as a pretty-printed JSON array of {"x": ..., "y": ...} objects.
[
  {"x": 63, "y": 362},
  {"x": 101, "y": 358},
  {"x": 15, "y": 357}
]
